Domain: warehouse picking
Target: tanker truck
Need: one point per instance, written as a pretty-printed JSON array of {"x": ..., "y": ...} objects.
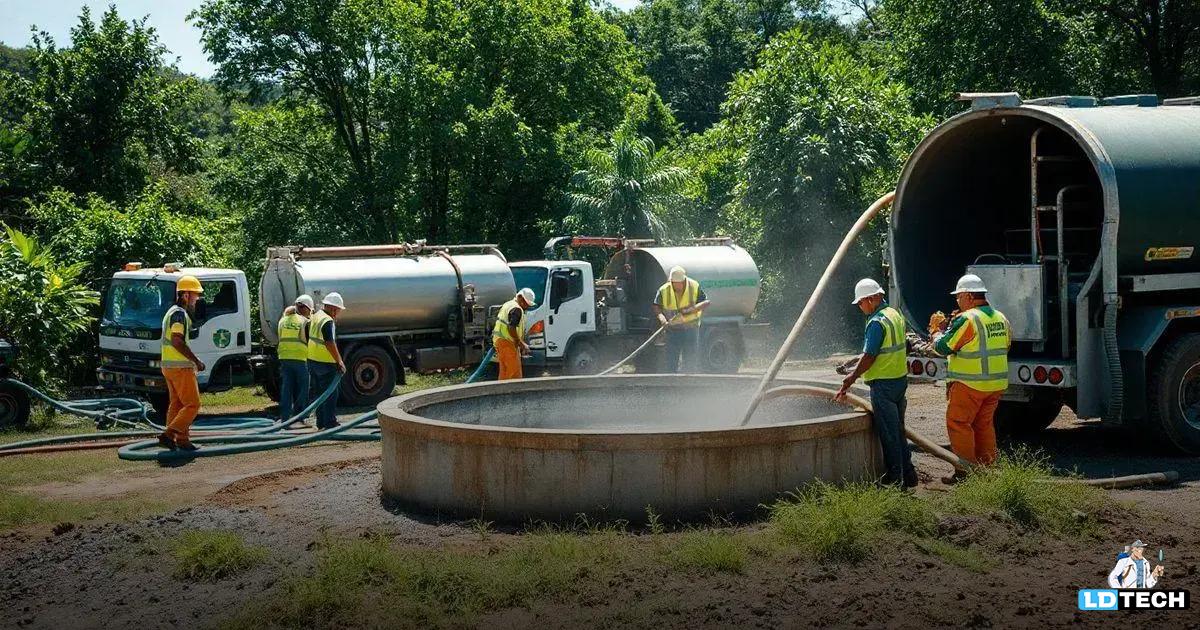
[
  {"x": 1081, "y": 216},
  {"x": 418, "y": 307}
]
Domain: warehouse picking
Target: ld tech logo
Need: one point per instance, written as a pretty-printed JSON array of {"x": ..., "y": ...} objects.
[{"x": 1112, "y": 599}]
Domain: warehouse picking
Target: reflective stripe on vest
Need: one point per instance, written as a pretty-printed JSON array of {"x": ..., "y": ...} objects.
[
  {"x": 316, "y": 338},
  {"x": 669, "y": 305},
  {"x": 890, "y": 362},
  {"x": 500, "y": 330},
  {"x": 292, "y": 346},
  {"x": 982, "y": 363},
  {"x": 169, "y": 357}
]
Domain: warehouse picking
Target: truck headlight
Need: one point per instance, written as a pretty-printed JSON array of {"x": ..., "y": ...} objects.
[{"x": 154, "y": 363}]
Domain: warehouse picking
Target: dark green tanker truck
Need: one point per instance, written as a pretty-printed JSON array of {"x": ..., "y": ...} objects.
[{"x": 1082, "y": 216}]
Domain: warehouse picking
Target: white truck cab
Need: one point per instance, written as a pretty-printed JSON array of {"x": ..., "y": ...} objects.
[
  {"x": 131, "y": 328},
  {"x": 565, "y": 308}
]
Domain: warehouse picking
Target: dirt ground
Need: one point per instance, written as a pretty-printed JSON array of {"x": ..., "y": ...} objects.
[{"x": 97, "y": 574}]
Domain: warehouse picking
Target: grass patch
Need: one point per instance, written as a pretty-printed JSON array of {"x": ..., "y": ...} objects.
[
  {"x": 416, "y": 382},
  {"x": 212, "y": 555},
  {"x": 21, "y": 510},
  {"x": 237, "y": 397},
  {"x": 710, "y": 551},
  {"x": 1014, "y": 488},
  {"x": 31, "y": 470},
  {"x": 367, "y": 583},
  {"x": 958, "y": 556},
  {"x": 843, "y": 523}
]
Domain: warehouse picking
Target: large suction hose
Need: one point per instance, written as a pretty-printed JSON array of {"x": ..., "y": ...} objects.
[
  {"x": 1112, "y": 352},
  {"x": 786, "y": 349}
]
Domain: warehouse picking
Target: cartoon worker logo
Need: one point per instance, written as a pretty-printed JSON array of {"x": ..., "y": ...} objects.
[{"x": 1133, "y": 570}]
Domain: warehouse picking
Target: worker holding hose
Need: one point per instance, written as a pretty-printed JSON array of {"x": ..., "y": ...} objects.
[
  {"x": 324, "y": 358},
  {"x": 883, "y": 367},
  {"x": 976, "y": 343},
  {"x": 179, "y": 366},
  {"x": 292, "y": 353},
  {"x": 508, "y": 336},
  {"x": 679, "y": 306}
]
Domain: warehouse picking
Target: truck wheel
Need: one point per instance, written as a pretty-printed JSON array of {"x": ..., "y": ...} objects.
[
  {"x": 370, "y": 376},
  {"x": 14, "y": 406},
  {"x": 582, "y": 358},
  {"x": 720, "y": 352},
  {"x": 1015, "y": 418},
  {"x": 1174, "y": 395}
]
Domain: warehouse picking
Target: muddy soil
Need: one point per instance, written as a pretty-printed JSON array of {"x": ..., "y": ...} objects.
[{"x": 121, "y": 575}]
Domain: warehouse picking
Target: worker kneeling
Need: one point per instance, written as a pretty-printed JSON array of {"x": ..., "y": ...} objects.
[
  {"x": 883, "y": 367},
  {"x": 179, "y": 366},
  {"x": 508, "y": 335},
  {"x": 679, "y": 305},
  {"x": 976, "y": 344}
]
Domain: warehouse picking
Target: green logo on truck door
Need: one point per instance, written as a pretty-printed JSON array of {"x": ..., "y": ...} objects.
[{"x": 221, "y": 338}]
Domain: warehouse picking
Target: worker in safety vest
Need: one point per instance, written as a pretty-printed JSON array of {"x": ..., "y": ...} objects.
[
  {"x": 179, "y": 366},
  {"x": 976, "y": 344},
  {"x": 679, "y": 305},
  {"x": 292, "y": 353},
  {"x": 508, "y": 335},
  {"x": 324, "y": 359},
  {"x": 883, "y": 367}
]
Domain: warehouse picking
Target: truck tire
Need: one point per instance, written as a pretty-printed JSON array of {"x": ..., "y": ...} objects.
[
  {"x": 1018, "y": 419},
  {"x": 720, "y": 352},
  {"x": 14, "y": 406},
  {"x": 370, "y": 376},
  {"x": 1173, "y": 395},
  {"x": 582, "y": 358}
]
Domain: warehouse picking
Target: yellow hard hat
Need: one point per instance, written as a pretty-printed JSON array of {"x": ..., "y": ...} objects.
[{"x": 189, "y": 283}]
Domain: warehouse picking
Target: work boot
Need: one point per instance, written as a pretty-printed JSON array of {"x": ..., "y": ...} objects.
[
  {"x": 165, "y": 441},
  {"x": 955, "y": 478},
  {"x": 186, "y": 445}
]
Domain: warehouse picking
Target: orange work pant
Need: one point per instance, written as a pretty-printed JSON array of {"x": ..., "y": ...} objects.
[
  {"x": 969, "y": 421},
  {"x": 184, "y": 404},
  {"x": 509, "y": 358}
]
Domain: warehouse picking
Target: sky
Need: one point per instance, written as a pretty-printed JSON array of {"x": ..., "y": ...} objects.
[{"x": 168, "y": 17}]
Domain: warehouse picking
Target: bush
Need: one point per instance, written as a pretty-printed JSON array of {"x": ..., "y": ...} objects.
[
  {"x": 1016, "y": 488},
  {"x": 710, "y": 551},
  {"x": 43, "y": 308},
  {"x": 213, "y": 555},
  {"x": 843, "y": 523}
]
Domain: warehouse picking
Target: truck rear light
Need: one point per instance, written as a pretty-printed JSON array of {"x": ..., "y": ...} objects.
[
  {"x": 917, "y": 368},
  {"x": 1039, "y": 374},
  {"x": 1024, "y": 373},
  {"x": 538, "y": 327},
  {"x": 1056, "y": 376},
  {"x": 931, "y": 368}
]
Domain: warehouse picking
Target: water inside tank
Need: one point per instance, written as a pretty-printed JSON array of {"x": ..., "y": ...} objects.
[{"x": 623, "y": 406}]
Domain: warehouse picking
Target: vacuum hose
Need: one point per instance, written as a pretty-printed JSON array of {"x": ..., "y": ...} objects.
[
  {"x": 1116, "y": 378},
  {"x": 834, "y": 263}
]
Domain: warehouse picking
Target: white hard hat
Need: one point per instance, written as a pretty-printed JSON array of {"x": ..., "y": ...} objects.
[
  {"x": 678, "y": 274},
  {"x": 969, "y": 283},
  {"x": 527, "y": 295},
  {"x": 334, "y": 299},
  {"x": 865, "y": 289},
  {"x": 305, "y": 300}
]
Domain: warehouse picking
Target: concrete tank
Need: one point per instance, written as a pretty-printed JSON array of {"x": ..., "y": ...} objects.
[
  {"x": 552, "y": 448},
  {"x": 382, "y": 293},
  {"x": 727, "y": 274}
]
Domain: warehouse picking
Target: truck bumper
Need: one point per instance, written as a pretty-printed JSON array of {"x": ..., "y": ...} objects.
[{"x": 139, "y": 382}]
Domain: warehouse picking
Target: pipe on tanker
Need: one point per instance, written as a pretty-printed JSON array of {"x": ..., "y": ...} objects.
[{"x": 462, "y": 324}]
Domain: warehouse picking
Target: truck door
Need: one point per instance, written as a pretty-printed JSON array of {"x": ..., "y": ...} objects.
[
  {"x": 570, "y": 307},
  {"x": 222, "y": 329}
]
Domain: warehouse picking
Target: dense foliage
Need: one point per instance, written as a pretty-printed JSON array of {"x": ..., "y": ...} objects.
[{"x": 509, "y": 121}]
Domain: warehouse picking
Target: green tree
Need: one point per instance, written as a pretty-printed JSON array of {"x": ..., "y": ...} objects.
[
  {"x": 628, "y": 189},
  {"x": 1160, "y": 38},
  {"x": 43, "y": 307},
  {"x": 102, "y": 116},
  {"x": 821, "y": 135}
]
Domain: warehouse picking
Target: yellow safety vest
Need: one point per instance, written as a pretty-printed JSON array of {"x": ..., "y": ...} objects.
[
  {"x": 500, "y": 330},
  {"x": 169, "y": 356},
  {"x": 671, "y": 306},
  {"x": 890, "y": 362},
  {"x": 292, "y": 346},
  {"x": 982, "y": 363},
  {"x": 316, "y": 339}
]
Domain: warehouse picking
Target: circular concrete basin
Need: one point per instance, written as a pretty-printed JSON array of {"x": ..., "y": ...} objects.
[{"x": 611, "y": 446}]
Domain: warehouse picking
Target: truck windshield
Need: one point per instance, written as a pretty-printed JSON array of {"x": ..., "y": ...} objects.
[
  {"x": 532, "y": 277},
  {"x": 138, "y": 303}
]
